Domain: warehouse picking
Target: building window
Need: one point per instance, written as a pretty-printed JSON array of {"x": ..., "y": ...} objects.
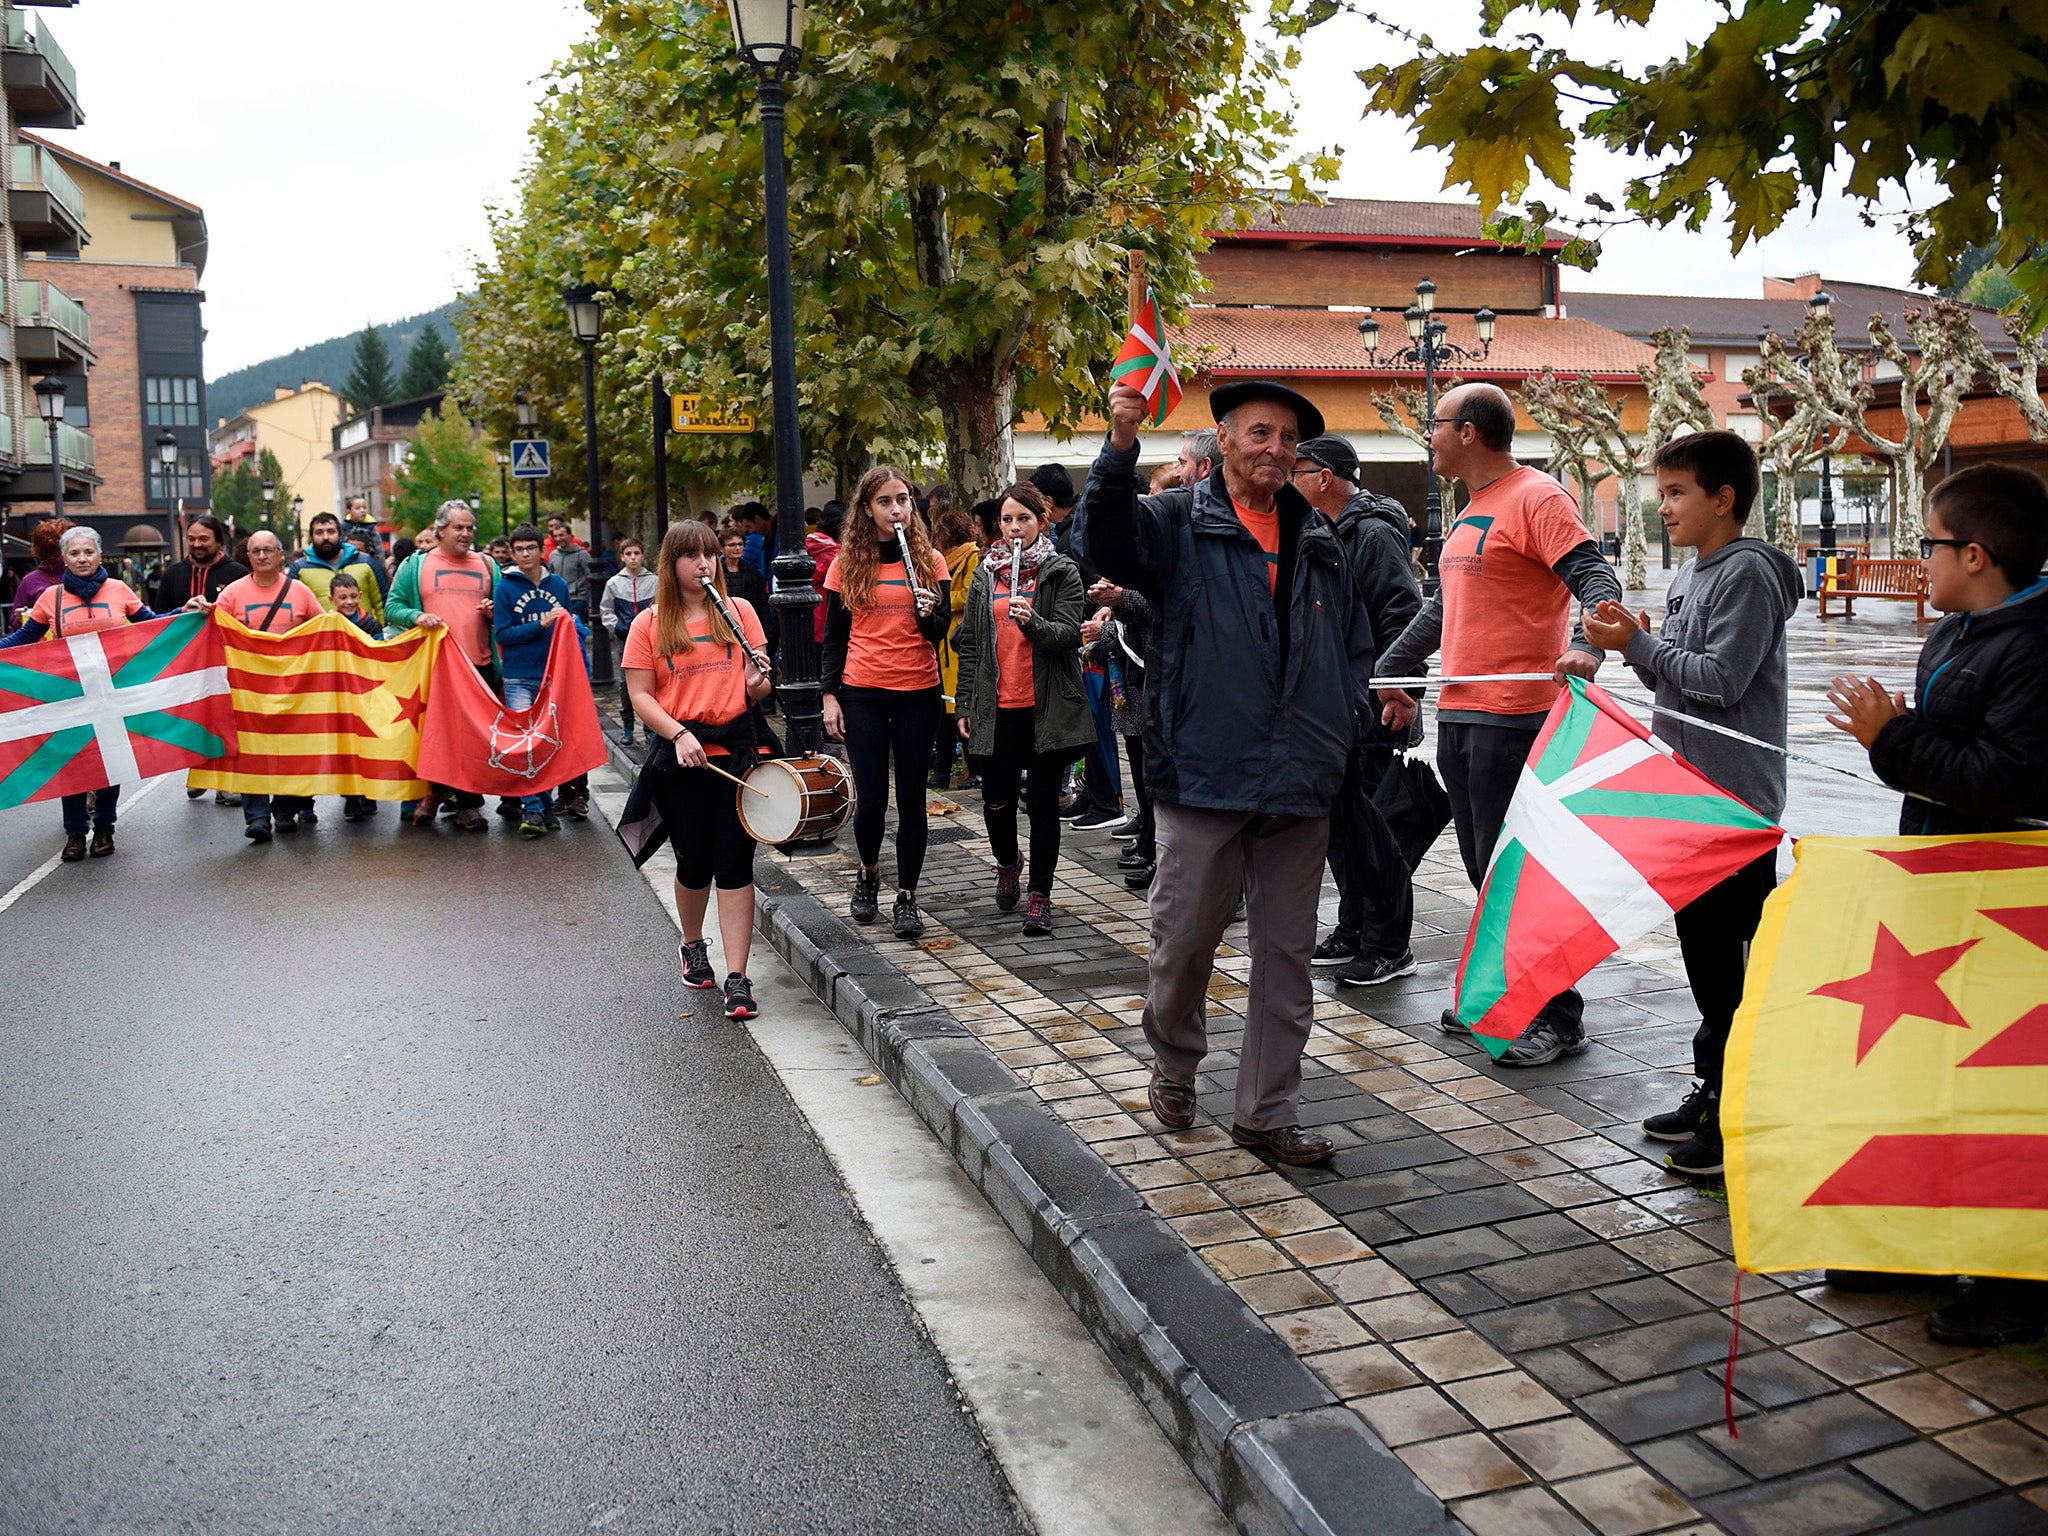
[
  {"x": 188, "y": 479},
  {"x": 170, "y": 402}
]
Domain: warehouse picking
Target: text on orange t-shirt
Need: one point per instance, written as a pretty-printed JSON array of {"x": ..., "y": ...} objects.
[
  {"x": 108, "y": 608},
  {"x": 1014, "y": 687},
  {"x": 250, "y": 604},
  {"x": 706, "y": 683},
  {"x": 885, "y": 648},
  {"x": 1265, "y": 527},
  {"x": 451, "y": 589}
]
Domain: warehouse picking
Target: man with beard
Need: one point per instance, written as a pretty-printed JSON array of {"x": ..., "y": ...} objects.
[{"x": 327, "y": 554}]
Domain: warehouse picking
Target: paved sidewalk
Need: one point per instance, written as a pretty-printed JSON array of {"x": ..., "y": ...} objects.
[{"x": 1496, "y": 1273}]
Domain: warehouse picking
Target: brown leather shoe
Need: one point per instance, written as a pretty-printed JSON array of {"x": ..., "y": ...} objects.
[
  {"x": 1173, "y": 1103},
  {"x": 471, "y": 821},
  {"x": 1285, "y": 1144}
]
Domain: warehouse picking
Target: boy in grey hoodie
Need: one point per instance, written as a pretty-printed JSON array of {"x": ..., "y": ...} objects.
[{"x": 1720, "y": 658}]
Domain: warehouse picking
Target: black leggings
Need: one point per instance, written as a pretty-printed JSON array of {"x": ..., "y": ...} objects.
[
  {"x": 701, "y": 813},
  {"x": 880, "y": 723},
  {"x": 1042, "y": 774}
]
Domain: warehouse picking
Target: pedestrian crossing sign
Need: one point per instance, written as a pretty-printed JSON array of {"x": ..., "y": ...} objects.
[{"x": 530, "y": 458}]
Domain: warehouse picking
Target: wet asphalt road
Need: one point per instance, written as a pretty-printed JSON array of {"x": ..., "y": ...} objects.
[{"x": 370, "y": 1181}]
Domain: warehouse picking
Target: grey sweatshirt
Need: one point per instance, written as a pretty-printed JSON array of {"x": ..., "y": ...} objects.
[{"x": 1721, "y": 657}]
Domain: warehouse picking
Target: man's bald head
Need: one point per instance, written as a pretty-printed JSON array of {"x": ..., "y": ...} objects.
[{"x": 1487, "y": 408}]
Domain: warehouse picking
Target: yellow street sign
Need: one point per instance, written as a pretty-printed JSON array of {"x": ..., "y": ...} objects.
[{"x": 695, "y": 412}]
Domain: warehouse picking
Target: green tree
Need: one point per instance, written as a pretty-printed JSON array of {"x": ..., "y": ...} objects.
[
  {"x": 426, "y": 365},
  {"x": 277, "y": 514},
  {"x": 443, "y": 461},
  {"x": 369, "y": 372},
  {"x": 237, "y": 500},
  {"x": 1779, "y": 100}
]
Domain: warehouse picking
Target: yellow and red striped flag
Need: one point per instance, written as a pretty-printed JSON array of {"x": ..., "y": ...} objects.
[
  {"x": 1885, "y": 1104},
  {"x": 324, "y": 710}
]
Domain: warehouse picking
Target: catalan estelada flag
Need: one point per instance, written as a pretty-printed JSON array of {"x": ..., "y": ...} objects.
[
  {"x": 324, "y": 710},
  {"x": 115, "y": 706},
  {"x": 1608, "y": 834},
  {"x": 1886, "y": 1103},
  {"x": 1146, "y": 363}
]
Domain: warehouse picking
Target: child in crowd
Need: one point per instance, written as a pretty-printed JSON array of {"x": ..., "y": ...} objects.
[
  {"x": 528, "y": 602},
  {"x": 347, "y": 597},
  {"x": 1720, "y": 658},
  {"x": 1971, "y": 753}
]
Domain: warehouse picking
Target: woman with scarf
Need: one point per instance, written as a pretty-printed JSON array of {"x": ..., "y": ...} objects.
[
  {"x": 1020, "y": 704},
  {"x": 86, "y": 598},
  {"x": 881, "y": 680}
]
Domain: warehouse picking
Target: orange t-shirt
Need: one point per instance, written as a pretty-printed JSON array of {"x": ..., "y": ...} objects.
[
  {"x": 249, "y": 603},
  {"x": 885, "y": 648},
  {"x": 1014, "y": 687},
  {"x": 450, "y": 590},
  {"x": 1265, "y": 527},
  {"x": 1504, "y": 608},
  {"x": 109, "y": 608},
  {"x": 707, "y": 682}
]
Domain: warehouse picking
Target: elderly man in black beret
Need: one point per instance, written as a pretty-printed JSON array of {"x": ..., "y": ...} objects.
[{"x": 1256, "y": 675}]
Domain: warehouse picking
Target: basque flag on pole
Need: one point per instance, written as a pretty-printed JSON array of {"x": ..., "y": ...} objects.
[
  {"x": 115, "y": 706},
  {"x": 1146, "y": 363}
]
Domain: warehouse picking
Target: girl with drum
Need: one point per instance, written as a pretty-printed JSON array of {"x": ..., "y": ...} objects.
[
  {"x": 693, "y": 682},
  {"x": 1021, "y": 707},
  {"x": 886, "y": 608}
]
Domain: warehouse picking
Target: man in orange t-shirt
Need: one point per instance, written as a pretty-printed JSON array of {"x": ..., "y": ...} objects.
[
  {"x": 1511, "y": 566},
  {"x": 270, "y": 601}
]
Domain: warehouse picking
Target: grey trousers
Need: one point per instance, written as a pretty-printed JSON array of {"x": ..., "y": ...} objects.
[{"x": 1205, "y": 859}]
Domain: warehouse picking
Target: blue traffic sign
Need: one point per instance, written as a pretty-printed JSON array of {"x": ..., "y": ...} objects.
[{"x": 530, "y": 458}]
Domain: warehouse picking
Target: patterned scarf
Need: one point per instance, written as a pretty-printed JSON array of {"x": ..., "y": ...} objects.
[{"x": 1035, "y": 554}]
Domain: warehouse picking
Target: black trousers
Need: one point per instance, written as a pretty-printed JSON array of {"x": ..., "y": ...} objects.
[
  {"x": 1148, "y": 837},
  {"x": 1481, "y": 765},
  {"x": 701, "y": 812},
  {"x": 1015, "y": 761},
  {"x": 1714, "y": 930},
  {"x": 885, "y": 723},
  {"x": 1375, "y": 897}
]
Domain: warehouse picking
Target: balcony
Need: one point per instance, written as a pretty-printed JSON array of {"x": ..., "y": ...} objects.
[
  {"x": 7, "y": 439},
  {"x": 42, "y": 87},
  {"x": 31, "y": 481},
  {"x": 43, "y": 202},
  {"x": 50, "y": 326}
]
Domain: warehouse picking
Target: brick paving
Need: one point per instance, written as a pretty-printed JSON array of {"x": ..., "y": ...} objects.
[{"x": 1495, "y": 1273}]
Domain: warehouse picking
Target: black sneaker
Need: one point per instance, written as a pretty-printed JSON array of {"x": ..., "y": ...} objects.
[
  {"x": 1449, "y": 1023},
  {"x": 286, "y": 822},
  {"x": 194, "y": 794},
  {"x": 257, "y": 831},
  {"x": 1140, "y": 879},
  {"x": 1700, "y": 1156},
  {"x": 532, "y": 829},
  {"x": 867, "y": 896},
  {"x": 578, "y": 806},
  {"x": 1370, "y": 970},
  {"x": 1101, "y": 821},
  {"x": 739, "y": 998},
  {"x": 1038, "y": 914},
  {"x": 354, "y": 808},
  {"x": 696, "y": 957},
  {"x": 1134, "y": 857},
  {"x": 1009, "y": 886},
  {"x": 226, "y": 797},
  {"x": 906, "y": 920},
  {"x": 1680, "y": 1123},
  {"x": 309, "y": 817},
  {"x": 1990, "y": 1313},
  {"x": 550, "y": 821},
  {"x": 509, "y": 809},
  {"x": 1337, "y": 949},
  {"x": 1543, "y": 1042}
]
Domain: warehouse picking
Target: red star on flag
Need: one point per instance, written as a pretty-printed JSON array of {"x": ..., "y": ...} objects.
[
  {"x": 1898, "y": 983},
  {"x": 411, "y": 708}
]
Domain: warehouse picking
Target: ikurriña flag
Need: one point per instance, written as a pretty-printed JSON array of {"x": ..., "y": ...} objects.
[
  {"x": 1608, "y": 834},
  {"x": 472, "y": 741},
  {"x": 1146, "y": 362},
  {"x": 1883, "y": 1106},
  {"x": 115, "y": 706},
  {"x": 323, "y": 709}
]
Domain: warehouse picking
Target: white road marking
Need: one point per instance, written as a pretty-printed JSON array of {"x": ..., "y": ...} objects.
[{"x": 29, "y": 881}]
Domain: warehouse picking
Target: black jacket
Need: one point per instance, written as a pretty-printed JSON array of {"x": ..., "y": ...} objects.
[
  {"x": 1250, "y": 694},
  {"x": 174, "y": 586},
  {"x": 1374, "y": 532},
  {"x": 745, "y": 582},
  {"x": 1972, "y": 754}
]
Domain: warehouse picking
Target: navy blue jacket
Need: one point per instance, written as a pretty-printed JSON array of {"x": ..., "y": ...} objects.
[
  {"x": 516, "y": 609},
  {"x": 1252, "y": 695}
]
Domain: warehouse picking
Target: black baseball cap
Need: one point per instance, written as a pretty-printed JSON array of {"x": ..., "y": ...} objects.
[
  {"x": 1332, "y": 453},
  {"x": 1307, "y": 419}
]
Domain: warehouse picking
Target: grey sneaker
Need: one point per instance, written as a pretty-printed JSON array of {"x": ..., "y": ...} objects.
[{"x": 1543, "y": 1041}]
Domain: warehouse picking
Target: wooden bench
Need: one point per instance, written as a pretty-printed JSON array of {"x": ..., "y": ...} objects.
[{"x": 1855, "y": 576}]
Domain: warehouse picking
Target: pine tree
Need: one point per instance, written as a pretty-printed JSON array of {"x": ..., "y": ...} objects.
[
  {"x": 426, "y": 364},
  {"x": 369, "y": 372}
]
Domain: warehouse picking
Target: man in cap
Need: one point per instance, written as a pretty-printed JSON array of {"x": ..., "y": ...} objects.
[
  {"x": 1375, "y": 902},
  {"x": 1257, "y": 666}
]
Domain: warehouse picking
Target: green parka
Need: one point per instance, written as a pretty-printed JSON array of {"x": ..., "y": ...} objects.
[{"x": 1061, "y": 721}]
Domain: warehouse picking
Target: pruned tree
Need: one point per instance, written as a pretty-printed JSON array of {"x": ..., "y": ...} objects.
[
  {"x": 1589, "y": 418},
  {"x": 1402, "y": 409},
  {"x": 1789, "y": 445},
  {"x": 2020, "y": 380}
]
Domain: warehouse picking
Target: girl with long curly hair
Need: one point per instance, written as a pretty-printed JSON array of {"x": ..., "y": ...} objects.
[{"x": 881, "y": 686}]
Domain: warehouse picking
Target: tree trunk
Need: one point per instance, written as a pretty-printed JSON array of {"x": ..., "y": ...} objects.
[
  {"x": 1635, "y": 549},
  {"x": 975, "y": 404},
  {"x": 1785, "y": 532},
  {"x": 1909, "y": 521}
]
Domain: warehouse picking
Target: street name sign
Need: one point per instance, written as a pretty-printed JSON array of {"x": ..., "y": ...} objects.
[{"x": 694, "y": 412}]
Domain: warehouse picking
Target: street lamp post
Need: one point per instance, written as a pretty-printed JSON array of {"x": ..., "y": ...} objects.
[
  {"x": 504, "y": 497},
  {"x": 527, "y": 414},
  {"x": 298, "y": 518},
  {"x": 50, "y": 402},
  {"x": 269, "y": 496},
  {"x": 769, "y": 36},
  {"x": 586, "y": 324},
  {"x": 1817, "y": 306},
  {"x": 167, "y": 466},
  {"x": 1430, "y": 348}
]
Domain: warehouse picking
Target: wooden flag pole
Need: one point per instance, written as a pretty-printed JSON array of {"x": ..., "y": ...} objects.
[{"x": 1136, "y": 289}]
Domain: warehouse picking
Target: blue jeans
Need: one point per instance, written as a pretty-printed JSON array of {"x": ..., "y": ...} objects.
[
  {"x": 102, "y": 815},
  {"x": 519, "y": 694}
]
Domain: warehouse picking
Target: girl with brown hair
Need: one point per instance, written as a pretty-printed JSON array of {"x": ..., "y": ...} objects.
[{"x": 883, "y": 622}]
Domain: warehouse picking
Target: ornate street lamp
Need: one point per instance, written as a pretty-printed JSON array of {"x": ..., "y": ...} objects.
[
  {"x": 769, "y": 36},
  {"x": 586, "y": 324},
  {"x": 50, "y": 403},
  {"x": 1817, "y": 306},
  {"x": 298, "y": 518},
  {"x": 527, "y": 414},
  {"x": 269, "y": 496},
  {"x": 504, "y": 497},
  {"x": 167, "y": 468},
  {"x": 1429, "y": 348}
]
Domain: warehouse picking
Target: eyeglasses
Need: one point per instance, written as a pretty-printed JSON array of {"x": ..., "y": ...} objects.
[
  {"x": 1307, "y": 469},
  {"x": 1449, "y": 421},
  {"x": 1929, "y": 546}
]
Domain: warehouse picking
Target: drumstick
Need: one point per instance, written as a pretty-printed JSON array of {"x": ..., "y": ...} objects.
[
  {"x": 711, "y": 591},
  {"x": 752, "y": 789}
]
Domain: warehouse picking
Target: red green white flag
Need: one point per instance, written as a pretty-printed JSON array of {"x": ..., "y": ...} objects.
[
  {"x": 1608, "y": 834},
  {"x": 1146, "y": 362},
  {"x": 115, "y": 706}
]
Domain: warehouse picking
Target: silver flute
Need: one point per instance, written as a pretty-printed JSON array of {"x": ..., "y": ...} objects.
[
  {"x": 909, "y": 566},
  {"x": 733, "y": 624}
]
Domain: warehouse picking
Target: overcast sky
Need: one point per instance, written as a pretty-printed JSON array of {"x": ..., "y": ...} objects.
[{"x": 345, "y": 158}]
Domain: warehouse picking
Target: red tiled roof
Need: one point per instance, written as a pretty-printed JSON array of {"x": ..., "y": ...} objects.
[
  {"x": 1324, "y": 341},
  {"x": 113, "y": 173},
  {"x": 1361, "y": 218}
]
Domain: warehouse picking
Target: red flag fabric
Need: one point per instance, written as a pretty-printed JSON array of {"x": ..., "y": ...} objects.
[
  {"x": 1146, "y": 363},
  {"x": 472, "y": 741}
]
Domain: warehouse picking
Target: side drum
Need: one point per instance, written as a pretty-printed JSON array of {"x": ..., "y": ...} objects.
[{"x": 794, "y": 799}]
